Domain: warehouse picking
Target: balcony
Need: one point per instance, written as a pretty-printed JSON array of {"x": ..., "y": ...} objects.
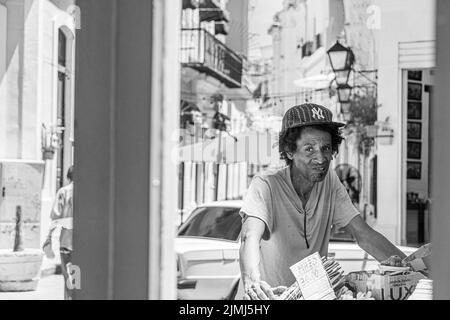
[{"x": 202, "y": 51}]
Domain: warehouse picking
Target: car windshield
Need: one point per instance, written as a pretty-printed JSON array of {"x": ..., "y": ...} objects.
[{"x": 213, "y": 222}]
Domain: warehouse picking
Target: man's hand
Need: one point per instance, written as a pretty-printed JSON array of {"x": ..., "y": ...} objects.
[
  {"x": 259, "y": 290},
  {"x": 47, "y": 248},
  {"x": 278, "y": 291},
  {"x": 393, "y": 261}
]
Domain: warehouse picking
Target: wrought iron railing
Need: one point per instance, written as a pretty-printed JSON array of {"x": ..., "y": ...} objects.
[{"x": 202, "y": 51}]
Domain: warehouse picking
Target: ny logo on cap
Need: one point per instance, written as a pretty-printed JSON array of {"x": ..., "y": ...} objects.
[{"x": 317, "y": 113}]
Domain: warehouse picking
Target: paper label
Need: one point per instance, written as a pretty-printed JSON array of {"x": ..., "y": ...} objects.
[
  {"x": 385, "y": 287},
  {"x": 312, "y": 279}
]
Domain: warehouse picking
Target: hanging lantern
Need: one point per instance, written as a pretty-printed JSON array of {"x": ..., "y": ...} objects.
[
  {"x": 344, "y": 93},
  {"x": 347, "y": 117},
  {"x": 341, "y": 60},
  {"x": 345, "y": 107}
]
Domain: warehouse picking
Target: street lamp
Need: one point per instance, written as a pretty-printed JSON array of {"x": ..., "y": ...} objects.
[
  {"x": 345, "y": 111},
  {"x": 345, "y": 107},
  {"x": 341, "y": 60},
  {"x": 344, "y": 93},
  {"x": 346, "y": 116}
]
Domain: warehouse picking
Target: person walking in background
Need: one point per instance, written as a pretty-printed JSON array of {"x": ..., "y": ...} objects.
[{"x": 62, "y": 217}]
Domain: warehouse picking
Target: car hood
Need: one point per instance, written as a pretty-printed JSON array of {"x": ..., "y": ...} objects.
[
  {"x": 353, "y": 247},
  {"x": 185, "y": 244}
]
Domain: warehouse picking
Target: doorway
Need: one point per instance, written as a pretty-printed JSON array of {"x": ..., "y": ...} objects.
[
  {"x": 418, "y": 86},
  {"x": 63, "y": 114}
]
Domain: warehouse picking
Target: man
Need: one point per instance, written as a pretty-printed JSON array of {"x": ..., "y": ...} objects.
[
  {"x": 62, "y": 216},
  {"x": 288, "y": 214}
]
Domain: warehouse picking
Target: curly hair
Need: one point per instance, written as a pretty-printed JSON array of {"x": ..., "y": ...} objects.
[
  {"x": 288, "y": 140},
  {"x": 70, "y": 173}
]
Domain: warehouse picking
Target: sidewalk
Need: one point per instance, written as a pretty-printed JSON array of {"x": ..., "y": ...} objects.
[{"x": 49, "y": 288}]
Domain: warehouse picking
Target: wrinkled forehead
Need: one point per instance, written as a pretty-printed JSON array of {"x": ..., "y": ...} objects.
[{"x": 314, "y": 135}]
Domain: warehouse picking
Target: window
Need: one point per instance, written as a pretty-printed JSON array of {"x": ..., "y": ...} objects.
[
  {"x": 307, "y": 49},
  {"x": 318, "y": 41},
  {"x": 62, "y": 48},
  {"x": 61, "y": 112},
  {"x": 213, "y": 222}
]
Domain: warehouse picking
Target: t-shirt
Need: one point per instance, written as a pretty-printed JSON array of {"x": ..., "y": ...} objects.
[
  {"x": 272, "y": 198},
  {"x": 62, "y": 215}
]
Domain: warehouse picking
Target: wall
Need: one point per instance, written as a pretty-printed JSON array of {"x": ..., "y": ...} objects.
[
  {"x": 18, "y": 88},
  {"x": 3, "y": 29},
  {"x": 293, "y": 26},
  {"x": 359, "y": 32},
  {"x": 392, "y": 31},
  {"x": 3, "y": 24},
  {"x": 127, "y": 108},
  {"x": 28, "y": 93},
  {"x": 53, "y": 16},
  {"x": 237, "y": 38},
  {"x": 336, "y": 24},
  {"x": 440, "y": 157}
]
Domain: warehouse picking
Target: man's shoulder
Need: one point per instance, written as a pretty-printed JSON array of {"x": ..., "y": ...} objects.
[
  {"x": 271, "y": 175},
  {"x": 66, "y": 189}
]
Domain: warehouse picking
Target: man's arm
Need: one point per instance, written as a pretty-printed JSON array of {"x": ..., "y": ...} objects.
[
  {"x": 249, "y": 258},
  {"x": 372, "y": 241}
]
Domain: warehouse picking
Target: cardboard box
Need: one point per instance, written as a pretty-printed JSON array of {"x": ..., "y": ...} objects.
[{"x": 389, "y": 286}]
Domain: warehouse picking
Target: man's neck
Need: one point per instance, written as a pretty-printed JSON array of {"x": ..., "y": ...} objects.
[{"x": 301, "y": 183}]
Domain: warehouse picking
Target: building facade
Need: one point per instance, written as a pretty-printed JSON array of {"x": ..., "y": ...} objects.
[
  {"x": 37, "y": 59},
  {"x": 405, "y": 62},
  {"x": 215, "y": 89}
]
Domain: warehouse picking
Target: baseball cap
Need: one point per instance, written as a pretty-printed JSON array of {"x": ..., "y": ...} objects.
[{"x": 308, "y": 114}]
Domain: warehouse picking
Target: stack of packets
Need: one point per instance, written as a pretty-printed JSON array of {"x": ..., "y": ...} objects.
[
  {"x": 320, "y": 279},
  {"x": 393, "y": 283},
  {"x": 316, "y": 279},
  {"x": 323, "y": 279}
]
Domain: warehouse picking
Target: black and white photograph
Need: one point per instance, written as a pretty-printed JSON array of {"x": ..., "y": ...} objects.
[
  {"x": 414, "y": 150},
  {"x": 415, "y": 75},
  {"x": 414, "y": 110},
  {"x": 414, "y": 91},
  {"x": 227, "y": 150},
  {"x": 414, "y": 130},
  {"x": 414, "y": 170}
]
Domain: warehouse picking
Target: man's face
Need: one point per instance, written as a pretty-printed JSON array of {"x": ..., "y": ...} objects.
[{"x": 313, "y": 155}]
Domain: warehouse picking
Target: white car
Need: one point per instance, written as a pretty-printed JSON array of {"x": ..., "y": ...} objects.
[{"x": 207, "y": 248}]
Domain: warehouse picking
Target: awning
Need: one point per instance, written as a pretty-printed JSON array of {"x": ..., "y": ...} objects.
[
  {"x": 252, "y": 147},
  {"x": 194, "y": 4},
  {"x": 320, "y": 81},
  {"x": 212, "y": 14},
  {"x": 208, "y": 4},
  {"x": 190, "y": 4}
]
